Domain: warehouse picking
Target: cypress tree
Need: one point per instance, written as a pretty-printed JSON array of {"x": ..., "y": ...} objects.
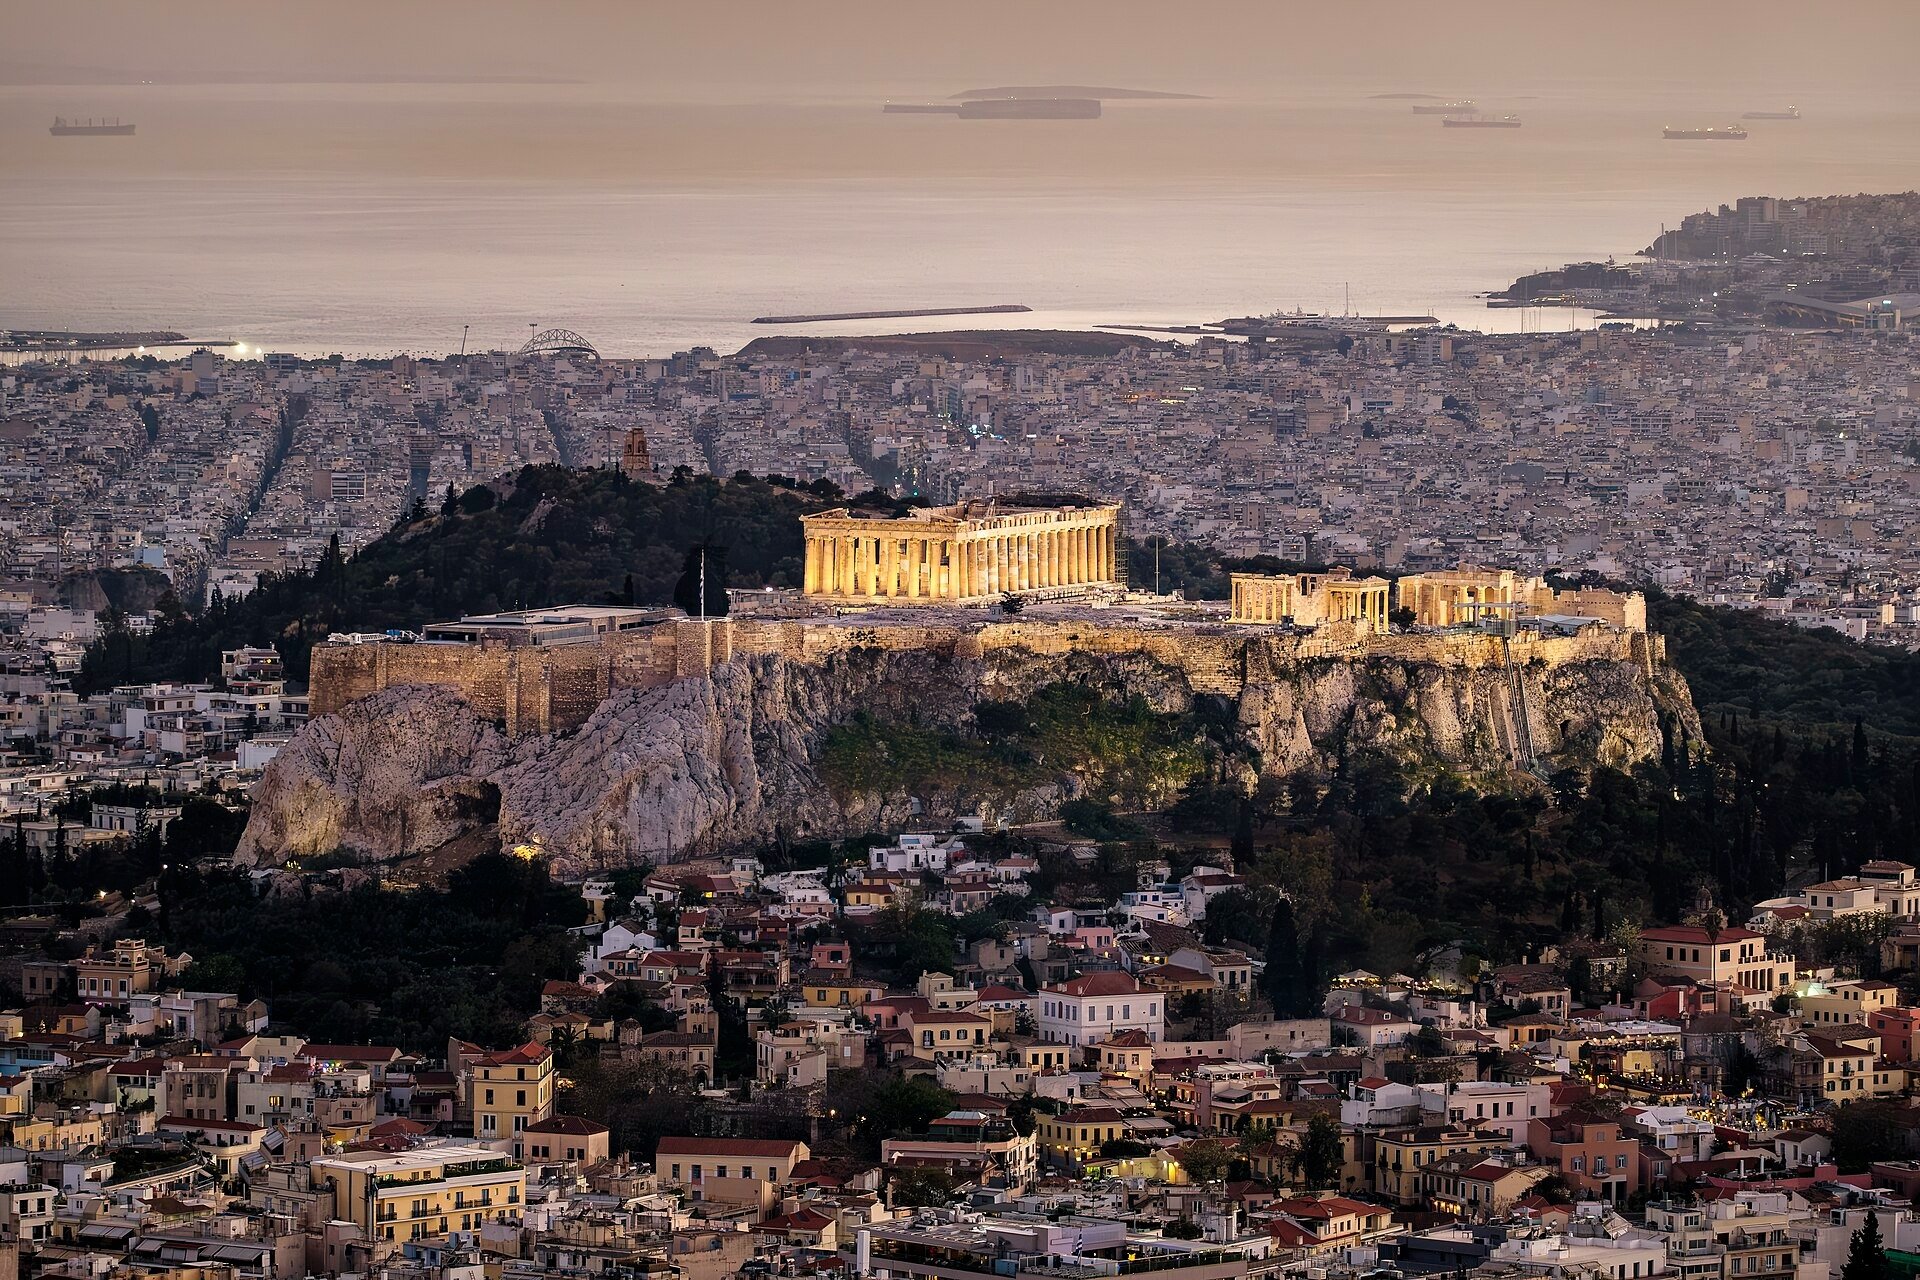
[
  {"x": 1866, "y": 1256},
  {"x": 1281, "y": 981}
]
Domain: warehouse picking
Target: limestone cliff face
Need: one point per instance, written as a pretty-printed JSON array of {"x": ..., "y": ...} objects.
[
  {"x": 404, "y": 770},
  {"x": 731, "y": 758}
]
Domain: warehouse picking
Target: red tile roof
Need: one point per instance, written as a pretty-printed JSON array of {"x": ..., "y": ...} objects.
[
  {"x": 1109, "y": 982},
  {"x": 728, "y": 1147}
]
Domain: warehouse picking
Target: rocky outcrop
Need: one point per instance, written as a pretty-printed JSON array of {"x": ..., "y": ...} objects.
[
  {"x": 404, "y": 770},
  {"x": 732, "y": 757}
]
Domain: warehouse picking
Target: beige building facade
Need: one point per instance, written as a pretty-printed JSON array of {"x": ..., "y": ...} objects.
[{"x": 969, "y": 553}]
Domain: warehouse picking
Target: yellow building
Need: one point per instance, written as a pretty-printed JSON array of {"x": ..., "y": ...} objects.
[
  {"x": 1073, "y": 1139},
  {"x": 974, "y": 552},
  {"x": 1847, "y": 1000},
  {"x": 424, "y": 1193},
  {"x": 510, "y": 1090},
  {"x": 1309, "y": 599},
  {"x": 830, "y": 991},
  {"x": 1044, "y": 1055},
  {"x": 129, "y": 969},
  {"x": 1401, "y": 1157},
  {"x": 1843, "y": 1067}
]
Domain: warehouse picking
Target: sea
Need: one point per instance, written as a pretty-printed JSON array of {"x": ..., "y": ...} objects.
[{"x": 371, "y": 219}]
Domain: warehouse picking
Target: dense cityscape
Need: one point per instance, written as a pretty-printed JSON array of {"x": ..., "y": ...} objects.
[
  {"x": 1042, "y": 642},
  {"x": 1087, "y": 1063}
]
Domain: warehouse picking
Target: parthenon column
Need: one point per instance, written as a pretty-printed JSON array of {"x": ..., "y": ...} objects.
[
  {"x": 843, "y": 565},
  {"x": 1054, "y": 576},
  {"x": 1082, "y": 564}
]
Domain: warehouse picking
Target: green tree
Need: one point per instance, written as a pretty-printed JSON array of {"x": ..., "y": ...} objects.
[
  {"x": 877, "y": 1107},
  {"x": 1863, "y": 1133},
  {"x": 1321, "y": 1153},
  {"x": 1281, "y": 981},
  {"x": 920, "y": 1188},
  {"x": 1866, "y": 1255},
  {"x": 1205, "y": 1159}
]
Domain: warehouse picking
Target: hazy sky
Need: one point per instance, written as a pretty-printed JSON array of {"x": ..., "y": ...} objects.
[{"x": 763, "y": 48}]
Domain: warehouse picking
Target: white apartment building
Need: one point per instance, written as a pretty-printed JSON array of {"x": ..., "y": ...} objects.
[{"x": 1096, "y": 1006}]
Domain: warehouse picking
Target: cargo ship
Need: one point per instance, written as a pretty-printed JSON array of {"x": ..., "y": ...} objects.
[
  {"x": 1791, "y": 113},
  {"x": 1729, "y": 133},
  {"x": 1465, "y": 106},
  {"x": 1481, "y": 122},
  {"x": 65, "y": 128}
]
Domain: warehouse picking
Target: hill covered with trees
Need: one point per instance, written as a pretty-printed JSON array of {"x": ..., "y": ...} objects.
[{"x": 550, "y": 536}]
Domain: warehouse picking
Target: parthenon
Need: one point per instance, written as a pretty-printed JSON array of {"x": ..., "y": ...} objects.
[
  {"x": 973, "y": 552},
  {"x": 1309, "y": 599}
]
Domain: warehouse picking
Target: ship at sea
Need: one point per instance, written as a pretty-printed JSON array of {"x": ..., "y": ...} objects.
[
  {"x": 1727, "y": 133},
  {"x": 1791, "y": 113},
  {"x": 1465, "y": 106},
  {"x": 1481, "y": 122},
  {"x": 65, "y": 128}
]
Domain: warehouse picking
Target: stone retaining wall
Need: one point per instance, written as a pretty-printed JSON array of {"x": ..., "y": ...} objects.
[{"x": 544, "y": 689}]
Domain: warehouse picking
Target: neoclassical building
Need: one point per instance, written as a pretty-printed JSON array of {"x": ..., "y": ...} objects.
[
  {"x": 1309, "y": 599},
  {"x": 970, "y": 553}
]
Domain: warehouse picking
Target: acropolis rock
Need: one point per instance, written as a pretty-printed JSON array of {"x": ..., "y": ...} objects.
[{"x": 726, "y": 755}]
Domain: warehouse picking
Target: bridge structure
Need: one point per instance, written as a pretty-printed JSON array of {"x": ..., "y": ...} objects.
[{"x": 558, "y": 342}]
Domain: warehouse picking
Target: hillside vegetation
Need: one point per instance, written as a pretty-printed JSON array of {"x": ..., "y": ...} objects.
[{"x": 553, "y": 536}]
